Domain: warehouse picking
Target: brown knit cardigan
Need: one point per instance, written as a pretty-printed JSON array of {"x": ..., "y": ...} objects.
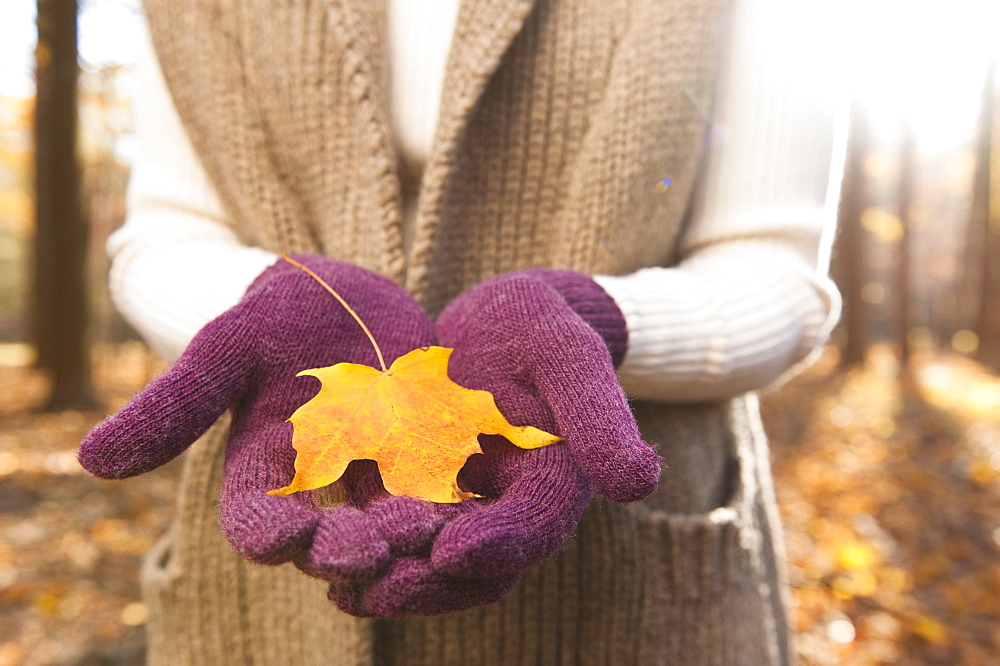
[{"x": 558, "y": 119}]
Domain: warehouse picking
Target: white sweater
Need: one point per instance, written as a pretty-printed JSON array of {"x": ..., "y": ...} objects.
[{"x": 749, "y": 300}]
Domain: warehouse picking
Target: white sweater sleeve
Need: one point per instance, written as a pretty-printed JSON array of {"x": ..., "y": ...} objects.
[
  {"x": 750, "y": 297},
  {"x": 175, "y": 265}
]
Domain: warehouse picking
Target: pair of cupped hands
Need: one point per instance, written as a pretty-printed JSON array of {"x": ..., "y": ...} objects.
[{"x": 544, "y": 342}]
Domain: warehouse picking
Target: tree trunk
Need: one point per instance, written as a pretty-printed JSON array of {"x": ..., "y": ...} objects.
[
  {"x": 60, "y": 297},
  {"x": 985, "y": 224},
  {"x": 907, "y": 167},
  {"x": 850, "y": 260}
]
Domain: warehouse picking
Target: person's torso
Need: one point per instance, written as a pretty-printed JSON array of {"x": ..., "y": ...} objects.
[{"x": 558, "y": 121}]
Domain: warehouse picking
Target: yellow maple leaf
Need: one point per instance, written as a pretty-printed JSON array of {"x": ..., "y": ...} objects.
[
  {"x": 410, "y": 418},
  {"x": 415, "y": 422}
]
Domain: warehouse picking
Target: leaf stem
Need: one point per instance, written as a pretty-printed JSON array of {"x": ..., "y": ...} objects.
[{"x": 308, "y": 271}]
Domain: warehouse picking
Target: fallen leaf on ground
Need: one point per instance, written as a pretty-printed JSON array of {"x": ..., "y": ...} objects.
[{"x": 415, "y": 422}]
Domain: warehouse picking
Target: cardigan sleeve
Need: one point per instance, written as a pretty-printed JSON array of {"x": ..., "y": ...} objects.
[
  {"x": 748, "y": 300},
  {"x": 175, "y": 264},
  {"x": 750, "y": 297}
]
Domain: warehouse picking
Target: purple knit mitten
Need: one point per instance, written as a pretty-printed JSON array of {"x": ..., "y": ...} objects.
[
  {"x": 247, "y": 360},
  {"x": 545, "y": 343}
]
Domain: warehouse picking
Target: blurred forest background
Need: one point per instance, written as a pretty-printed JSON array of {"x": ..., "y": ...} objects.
[{"x": 886, "y": 452}]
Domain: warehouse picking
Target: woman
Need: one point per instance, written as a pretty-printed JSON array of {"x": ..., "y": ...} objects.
[{"x": 671, "y": 160}]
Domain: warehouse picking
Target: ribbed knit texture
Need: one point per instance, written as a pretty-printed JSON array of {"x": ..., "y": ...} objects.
[
  {"x": 566, "y": 138},
  {"x": 536, "y": 340},
  {"x": 590, "y": 301},
  {"x": 248, "y": 361},
  {"x": 688, "y": 577},
  {"x": 155, "y": 223},
  {"x": 210, "y": 606},
  {"x": 174, "y": 241},
  {"x": 706, "y": 348},
  {"x": 557, "y": 120}
]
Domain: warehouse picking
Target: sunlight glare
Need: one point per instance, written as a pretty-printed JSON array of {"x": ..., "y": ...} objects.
[
  {"x": 920, "y": 62},
  {"x": 109, "y": 34},
  {"x": 17, "y": 44},
  {"x": 923, "y": 63}
]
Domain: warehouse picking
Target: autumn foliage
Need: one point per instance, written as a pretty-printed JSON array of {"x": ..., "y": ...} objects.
[{"x": 890, "y": 491}]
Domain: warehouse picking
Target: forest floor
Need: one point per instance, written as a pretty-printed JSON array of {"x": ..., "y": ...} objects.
[
  {"x": 889, "y": 488},
  {"x": 890, "y": 492}
]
